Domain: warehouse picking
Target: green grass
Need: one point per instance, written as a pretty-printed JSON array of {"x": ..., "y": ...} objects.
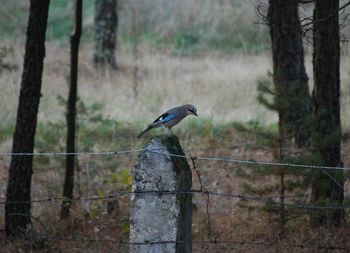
[
  {"x": 13, "y": 20},
  {"x": 246, "y": 37},
  {"x": 111, "y": 135},
  {"x": 186, "y": 42},
  {"x": 61, "y": 20},
  {"x": 6, "y": 131}
]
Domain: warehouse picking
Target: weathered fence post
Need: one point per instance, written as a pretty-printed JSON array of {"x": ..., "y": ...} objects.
[{"x": 160, "y": 220}]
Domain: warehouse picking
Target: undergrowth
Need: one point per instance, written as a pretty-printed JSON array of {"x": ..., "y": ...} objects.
[{"x": 229, "y": 36}]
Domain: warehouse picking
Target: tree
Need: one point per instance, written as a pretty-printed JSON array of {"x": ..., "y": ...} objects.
[
  {"x": 71, "y": 112},
  {"x": 292, "y": 100},
  {"x": 106, "y": 22},
  {"x": 326, "y": 121},
  {"x": 18, "y": 206}
]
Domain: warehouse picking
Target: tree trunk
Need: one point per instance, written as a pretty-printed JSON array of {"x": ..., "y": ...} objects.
[
  {"x": 326, "y": 96},
  {"x": 106, "y": 22},
  {"x": 289, "y": 75},
  {"x": 71, "y": 112},
  {"x": 18, "y": 206}
]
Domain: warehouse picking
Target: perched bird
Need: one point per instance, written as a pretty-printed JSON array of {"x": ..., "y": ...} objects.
[{"x": 171, "y": 117}]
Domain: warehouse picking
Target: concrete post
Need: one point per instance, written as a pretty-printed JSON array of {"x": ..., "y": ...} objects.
[{"x": 161, "y": 217}]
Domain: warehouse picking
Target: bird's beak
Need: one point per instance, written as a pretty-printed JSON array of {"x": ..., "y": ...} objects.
[{"x": 193, "y": 112}]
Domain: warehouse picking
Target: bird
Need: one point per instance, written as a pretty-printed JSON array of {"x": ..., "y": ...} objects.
[{"x": 171, "y": 117}]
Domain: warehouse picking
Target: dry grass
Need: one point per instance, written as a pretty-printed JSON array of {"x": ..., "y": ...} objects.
[{"x": 222, "y": 86}]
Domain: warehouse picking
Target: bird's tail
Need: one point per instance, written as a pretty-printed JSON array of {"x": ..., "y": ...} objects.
[{"x": 145, "y": 131}]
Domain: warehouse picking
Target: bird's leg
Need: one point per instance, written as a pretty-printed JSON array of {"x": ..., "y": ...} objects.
[
  {"x": 169, "y": 132},
  {"x": 163, "y": 128},
  {"x": 166, "y": 130}
]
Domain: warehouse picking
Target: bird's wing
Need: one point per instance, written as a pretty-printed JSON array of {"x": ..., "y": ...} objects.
[{"x": 166, "y": 117}]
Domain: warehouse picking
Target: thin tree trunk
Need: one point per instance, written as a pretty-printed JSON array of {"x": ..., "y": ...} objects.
[
  {"x": 18, "y": 206},
  {"x": 289, "y": 74},
  {"x": 135, "y": 52},
  {"x": 280, "y": 155},
  {"x": 290, "y": 81},
  {"x": 71, "y": 112},
  {"x": 327, "y": 126},
  {"x": 282, "y": 212},
  {"x": 106, "y": 22}
]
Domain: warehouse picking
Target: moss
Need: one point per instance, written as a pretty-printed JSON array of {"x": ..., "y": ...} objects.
[
  {"x": 172, "y": 143},
  {"x": 183, "y": 171}
]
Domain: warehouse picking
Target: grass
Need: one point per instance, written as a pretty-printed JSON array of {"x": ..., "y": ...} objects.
[
  {"x": 164, "y": 80},
  {"x": 231, "y": 32},
  {"x": 222, "y": 86},
  {"x": 214, "y": 65}
]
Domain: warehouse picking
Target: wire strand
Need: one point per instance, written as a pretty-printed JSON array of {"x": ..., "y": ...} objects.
[
  {"x": 218, "y": 159},
  {"x": 211, "y": 193},
  {"x": 203, "y": 242}
]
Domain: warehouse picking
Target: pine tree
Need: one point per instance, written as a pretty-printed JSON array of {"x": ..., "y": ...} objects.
[
  {"x": 289, "y": 74},
  {"x": 106, "y": 22},
  {"x": 285, "y": 91},
  {"x": 18, "y": 207},
  {"x": 71, "y": 111},
  {"x": 328, "y": 186}
]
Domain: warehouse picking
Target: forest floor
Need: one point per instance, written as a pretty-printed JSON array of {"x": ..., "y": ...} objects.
[{"x": 115, "y": 106}]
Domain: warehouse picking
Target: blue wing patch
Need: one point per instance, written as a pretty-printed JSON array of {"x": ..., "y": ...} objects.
[{"x": 165, "y": 118}]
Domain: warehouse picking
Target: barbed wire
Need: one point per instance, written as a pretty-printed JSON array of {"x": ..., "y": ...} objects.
[
  {"x": 207, "y": 193},
  {"x": 218, "y": 159},
  {"x": 71, "y": 153},
  {"x": 203, "y": 242},
  {"x": 204, "y": 192},
  {"x": 192, "y": 158}
]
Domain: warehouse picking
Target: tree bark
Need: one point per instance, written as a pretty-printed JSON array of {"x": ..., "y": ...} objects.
[
  {"x": 327, "y": 126},
  {"x": 71, "y": 112},
  {"x": 289, "y": 75},
  {"x": 106, "y": 23},
  {"x": 18, "y": 206}
]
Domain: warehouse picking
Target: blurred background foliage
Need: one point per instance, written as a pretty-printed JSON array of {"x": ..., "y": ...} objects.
[{"x": 183, "y": 25}]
